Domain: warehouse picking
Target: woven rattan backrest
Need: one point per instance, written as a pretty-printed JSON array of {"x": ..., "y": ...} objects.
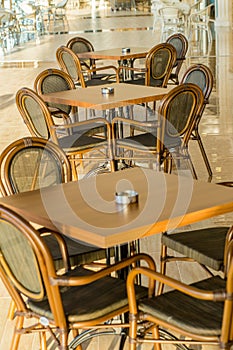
[
  {"x": 159, "y": 63},
  {"x": 79, "y": 45},
  {"x": 53, "y": 80},
  {"x": 202, "y": 76},
  {"x": 70, "y": 64},
  {"x": 178, "y": 110},
  {"x": 34, "y": 112},
  {"x": 31, "y": 163},
  {"x": 180, "y": 43},
  {"x": 17, "y": 257}
]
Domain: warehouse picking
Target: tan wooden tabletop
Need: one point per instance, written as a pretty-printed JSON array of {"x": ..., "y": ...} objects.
[
  {"x": 86, "y": 210},
  {"x": 116, "y": 54},
  {"x": 92, "y": 97}
]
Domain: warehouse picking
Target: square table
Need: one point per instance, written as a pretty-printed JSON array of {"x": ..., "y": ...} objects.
[
  {"x": 86, "y": 209},
  {"x": 92, "y": 97},
  {"x": 124, "y": 56},
  {"x": 116, "y": 54}
]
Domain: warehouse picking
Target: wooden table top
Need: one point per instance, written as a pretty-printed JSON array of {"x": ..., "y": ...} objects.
[
  {"x": 116, "y": 54},
  {"x": 86, "y": 210},
  {"x": 92, "y": 97}
]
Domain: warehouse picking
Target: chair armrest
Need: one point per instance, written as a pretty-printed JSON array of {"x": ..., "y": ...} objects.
[
  {"x": 147, "y": 125},
  {"x": 83, "y": 280},
  {"x": 132, "y": 69},
  {"x": 62, "y": 246},
  {"x": 171, "y": 282},
  {"x": 82, "y": 126},
  {"x": 102, "y": 68}
]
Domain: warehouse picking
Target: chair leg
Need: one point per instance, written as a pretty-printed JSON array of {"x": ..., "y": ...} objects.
[
  {"x": 163, "y": 256},
  {"x": 132, "y": 332},
  {"x": 43, "y": 342},
  {"x": 17, "y": 335},
  {"x": 204, "y": 155},
  {"x": 11, "y": 311},
  {"x": 156, "y": 335},
  {"x": 64, "y": 340}
]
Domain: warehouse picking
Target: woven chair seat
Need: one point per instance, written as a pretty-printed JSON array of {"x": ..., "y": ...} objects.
[
  {"x": 141, "y": 81},
  {"x": 85, "y": 303},
  {"x": 75, "y": 142},
  {"x": 97, "y": 80},
  {"x": 190, "y": 314},
  {"x": 209, "y": 251},
  {"x": 147, "y": 141}
]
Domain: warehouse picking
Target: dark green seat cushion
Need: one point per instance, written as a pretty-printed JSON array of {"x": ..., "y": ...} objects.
[
  {"x": 147, "y": 141},
  {"x": 78, "y": 143},
  {"x": 204, "y": 245},
  {"x": 85, "y": 303},
  {"x": 192, "y": 315}
]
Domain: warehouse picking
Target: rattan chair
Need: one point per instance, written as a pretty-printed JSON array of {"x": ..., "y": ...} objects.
[
  {"x": 79, "y": 45},
  {"x": 199, "y": 314},
  {"x": 32, "y": 163},
  {"x": 163, "y": 141},
  {"x": 58, "y": 304},
  {"x": 202, "y": 76},
  {"x": 54, "y": 80},
  {"x": 158, "y": 67},
  {"x": 180, "y": 42},
  {"x": 77, "y": 140},
  {"x": 70, "y": 63}
]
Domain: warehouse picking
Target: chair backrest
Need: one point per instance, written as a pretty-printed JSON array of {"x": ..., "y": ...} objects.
[
  {"x": 17, "y": 262},
  {"x": 34, "y": 112},
  {"x": 180, "y": 42},
  {"x": 203, "y": 16},
  {"x": 31, "y": 163},
  {"x": 178, "y": 110},
  {"x": 202, "y": 76},
  {"x": 26, "y": 265},
  {"x": 62, "y": 4},
  {"x": 159, "y": 63},
  {"x": 70, "y": 64},
  {"x": 169, "y": 14},
  {"x": 78, "y": 45},
  {"x": 54, "y": 80}
]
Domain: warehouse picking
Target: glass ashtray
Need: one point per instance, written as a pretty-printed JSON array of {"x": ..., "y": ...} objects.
[
  {"x": 107, "y": 90},
  {"x": 126, "y": 197},
  {"x": 125, "y": 50}
]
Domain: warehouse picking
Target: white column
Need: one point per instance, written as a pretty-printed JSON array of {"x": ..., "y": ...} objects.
[{"x": 223, "y": 13}]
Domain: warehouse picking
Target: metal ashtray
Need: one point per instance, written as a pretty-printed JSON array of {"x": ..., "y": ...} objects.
[
  {"x": 107, "y": 90},
  {"x": 126, "y": 197},
  {"x": 125, "y": 50}
]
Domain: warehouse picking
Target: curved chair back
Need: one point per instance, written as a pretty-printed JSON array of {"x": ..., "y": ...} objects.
[
  {"x": 78, "y": 45},
  {"x": 178, "y": 111},
  {"x": 70, "y": 64},
  {"x": 180, "y": 42},
  {"x": 34, "y": 112},
  {"x": 54, "y": 80},
  {"x": 202, "y": 76},
  {"x": 19, "y": 266},
  {"x": 159, "y": 62},
  {"x": 31, "y": 163}
]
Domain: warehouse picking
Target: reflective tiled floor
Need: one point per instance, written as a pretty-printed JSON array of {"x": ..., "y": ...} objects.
[{"x": 107, "y": 29}]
